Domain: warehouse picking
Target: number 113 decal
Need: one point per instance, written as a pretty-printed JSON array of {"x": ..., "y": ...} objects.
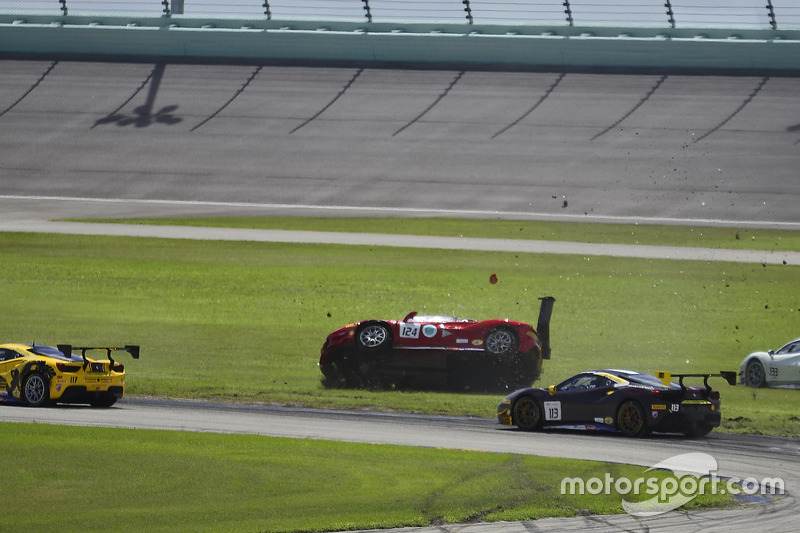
[{"x": 552, "y": 410}]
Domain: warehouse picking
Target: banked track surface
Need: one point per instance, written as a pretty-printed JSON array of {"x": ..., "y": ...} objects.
[{"x": 660, "y": 147}]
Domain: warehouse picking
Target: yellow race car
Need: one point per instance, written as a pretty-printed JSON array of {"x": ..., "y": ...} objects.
[{"x": 37, "y": 375}]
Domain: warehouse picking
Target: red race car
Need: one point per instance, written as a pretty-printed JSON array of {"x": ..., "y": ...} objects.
[{"x": 436, "y": 351}]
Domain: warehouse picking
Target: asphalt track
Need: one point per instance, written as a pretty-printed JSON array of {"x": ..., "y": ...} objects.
[
  {"x": 662, "y": 147},
  {"x": 139, "y": 139}
]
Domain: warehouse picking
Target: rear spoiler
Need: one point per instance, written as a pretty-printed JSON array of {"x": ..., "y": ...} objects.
[
  {"x": 666, "y": 377},
  {"x": 543, "y": 327},
  {"x": 66, "y": 349}
]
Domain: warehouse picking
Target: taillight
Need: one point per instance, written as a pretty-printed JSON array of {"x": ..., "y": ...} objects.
[
  {"x": 63, "y": 367},
  {"x": 119, "y": 367},
  {"x": 713, "y": 395}
]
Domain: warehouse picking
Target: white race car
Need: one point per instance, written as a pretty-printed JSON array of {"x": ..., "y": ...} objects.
[{"x": 775, "y": 368}]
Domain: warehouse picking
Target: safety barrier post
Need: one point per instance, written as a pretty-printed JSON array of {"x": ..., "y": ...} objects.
[
  {"x": 367, "y": 10},
  {"x": 771, "y": 14},
  {"x": 670, "y": 14},
  {"x": 568, "y": 11},
  {"x": 468, "y": 10}
]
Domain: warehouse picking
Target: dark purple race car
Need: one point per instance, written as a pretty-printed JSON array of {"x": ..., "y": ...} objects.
[{"x": 632, "y": 403}]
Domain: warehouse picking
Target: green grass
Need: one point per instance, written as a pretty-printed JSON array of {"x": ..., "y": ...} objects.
[
  {"x": 153, "y": 481},
  {"x": 707, "y": 237},
  {"x": 239, "y": 321}
]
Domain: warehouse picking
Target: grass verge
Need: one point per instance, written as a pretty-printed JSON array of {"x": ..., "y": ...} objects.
[{"x": 145, "y": 480}]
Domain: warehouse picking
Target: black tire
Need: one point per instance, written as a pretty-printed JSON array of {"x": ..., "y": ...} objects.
[
  {"x": 754, "y": 374},
  {"x": 501, "y": 341},
  {"x": 630, "y": 419},
  {"x": 35, "y": 390},
  {"x": 526, "y": 414},
  {"x": 103, "y": 401},
  {"x": 697, "y": 431},
  {"x": 373, "y": 337},
  {"x": 341, "y": 370}
]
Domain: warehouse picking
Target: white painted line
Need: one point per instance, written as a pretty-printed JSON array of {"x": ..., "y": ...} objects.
[
  {"x": 426, "y": 211},
  {"x": 405, "y": 241}
]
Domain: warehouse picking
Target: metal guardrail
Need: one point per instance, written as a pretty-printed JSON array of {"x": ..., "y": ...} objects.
[{"x": 764, "y": 14}]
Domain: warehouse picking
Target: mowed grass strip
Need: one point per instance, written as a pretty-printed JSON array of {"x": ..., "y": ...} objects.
[
  {"x": 100, "y": 479},
  {"x": 243, "y": 321},
  {"x": 705, "y": 237}
]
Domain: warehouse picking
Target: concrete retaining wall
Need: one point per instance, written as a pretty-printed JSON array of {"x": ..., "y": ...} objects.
[{"x": 179, "y": 37}]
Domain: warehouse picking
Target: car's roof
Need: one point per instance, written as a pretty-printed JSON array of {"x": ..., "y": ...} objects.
[
  {"x": 636, "y": 377},
  {"x": 37, "y": 349},
  {"x": 438, "y": 318}
]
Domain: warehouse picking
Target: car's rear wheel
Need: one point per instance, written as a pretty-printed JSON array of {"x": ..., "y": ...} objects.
[
  {"x": 527, "y": 415},
  {"x": 501, "y": 341},
  {"x": 373, "y": 337},
  {"x": 754, "y": 374},
  {"x": 103, "y": 400},
  {"x": 697, "y": 430},
  {"x": 35, "y": 390},
  {"x": 630, "y": 419}
]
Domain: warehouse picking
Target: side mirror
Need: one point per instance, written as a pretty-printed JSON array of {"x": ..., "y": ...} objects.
[{"x": 552, "y": 390}]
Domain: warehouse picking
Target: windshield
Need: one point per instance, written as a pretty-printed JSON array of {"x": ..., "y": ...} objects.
[
  {"x": 437, "y": 318},
  {"x": 49, "y": 351}
]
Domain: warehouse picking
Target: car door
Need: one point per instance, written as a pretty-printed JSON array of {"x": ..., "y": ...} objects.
[
  {"x": 579, "y": 400},
  {"x": 787, "y": 365}
]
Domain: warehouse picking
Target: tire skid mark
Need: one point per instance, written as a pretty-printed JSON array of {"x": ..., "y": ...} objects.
[
  {"x": 533, "y": 107},
  {"x": 31, "y": 89},
  {"x": 730, "y": 117},
  {"x": 110, "y": 117},
  {"x": 649, "y": 94},
  {"x": 232, "y": 98},
  {"x": 433, "y": 104},
  {"x": 329, "y": 104}
]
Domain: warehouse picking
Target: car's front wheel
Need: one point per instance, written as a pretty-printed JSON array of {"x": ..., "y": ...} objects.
[
  {"x": 501, "y": 341},
  {"x": 373, "y": 337},
  {"x": 755, "y": 375},
  {"x": 527, "y": 416},
  {"x": 35, "y": 390},
  {"x": 630, "y": 419}
]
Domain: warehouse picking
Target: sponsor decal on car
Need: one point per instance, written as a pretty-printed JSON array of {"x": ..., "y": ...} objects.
[{"x": 429, "y": 330}]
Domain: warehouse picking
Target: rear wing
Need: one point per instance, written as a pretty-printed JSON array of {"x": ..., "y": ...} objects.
[
  {"x": 67, "y": 349},
  {"x": 666, "y": 377},
  {"x": 543, "y": 326}
]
